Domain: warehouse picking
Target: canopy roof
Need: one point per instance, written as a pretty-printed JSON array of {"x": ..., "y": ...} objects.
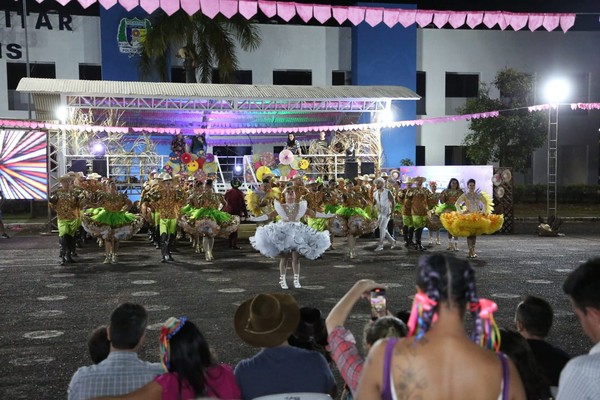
[{"x": 198, "y": 105}]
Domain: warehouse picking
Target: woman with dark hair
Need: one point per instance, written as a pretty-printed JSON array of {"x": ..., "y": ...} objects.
[
  {"x": 517, "y": 349},
  {"x": 437, "y": 360},
  {"x": 448, "y": 199},
  {"x": 191, "y": 371},
  {"x": 292, "y": 145}
]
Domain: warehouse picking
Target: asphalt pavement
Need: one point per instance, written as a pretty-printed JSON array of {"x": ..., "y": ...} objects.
[{"x": 48, "y": 310}]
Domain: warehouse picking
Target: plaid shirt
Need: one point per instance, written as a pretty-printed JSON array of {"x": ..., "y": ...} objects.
[
  {"x": 346, "y": 356},
  {"x": 122, "y": 372}
]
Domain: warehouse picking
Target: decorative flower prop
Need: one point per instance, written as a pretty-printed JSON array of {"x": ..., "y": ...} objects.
[
  {"x": 276, "y": 172},
  {"x": 186, "y": 158},
  {"x": 262, "y": 171},
  {"x": 304, "y": 163},
  {"x": 292, "y": 173},
  {"x": 173, "y": 157},
  {"x": 295, "y": 163},
  {"x": 168, "y": 168},
  {"x": 286, "y": 157},
  {"x": 192, "y": 166},
  {"x": 210, "y": 167},
  {"x": 284, "y": 169},
  {"x": 267, "y": 159},
  {"x": 210, "y": 157},
  {"x": 257, "y": 165}
]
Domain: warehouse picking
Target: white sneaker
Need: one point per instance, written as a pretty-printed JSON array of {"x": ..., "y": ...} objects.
[
  {"x": 297, "y": 282},
  {"x": 283, "y": 283},
  {"x": 379, "y": 248},
  {"x": 393, "y": 244}
]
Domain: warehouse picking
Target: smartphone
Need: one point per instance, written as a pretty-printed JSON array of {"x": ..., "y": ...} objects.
[{"x": 378, "y": 303}]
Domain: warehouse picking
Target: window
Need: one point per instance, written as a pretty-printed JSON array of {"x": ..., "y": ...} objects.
[
  {"x": 16, "y": 71},
  {"x": 178, "y": 74},
  {"x": 421, "y": 89},
  {"x": 456, "y": 155},
  {"x": 459, "y": 88},
  {"x": 89, "y": 72},
  {"x": 420, "y": 155},
  {"x": 292, "y": 77},
  {"x": 243, "y": 77},
  {"x": 231, "y": 160},
  {"x": 341, "y": 78}
]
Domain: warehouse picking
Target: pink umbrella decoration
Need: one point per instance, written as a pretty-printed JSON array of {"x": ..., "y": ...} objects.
[{"x": 286, "y": 157}]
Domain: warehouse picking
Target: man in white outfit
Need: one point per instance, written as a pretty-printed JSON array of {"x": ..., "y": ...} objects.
[{"x": 384, "y": 204}]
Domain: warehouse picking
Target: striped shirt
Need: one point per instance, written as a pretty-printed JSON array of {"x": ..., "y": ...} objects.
[
  {"x": 580, "y": 379},
  {"x": 120, "y": 373}
]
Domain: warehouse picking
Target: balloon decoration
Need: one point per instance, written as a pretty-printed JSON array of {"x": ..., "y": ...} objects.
[
  {"x": 186, "y": 158},
  {"x": 286, "y": 157},
  {"x": 173, "y": 157},
  {"x": 210, "y": 158},
  {"x": 192, "y": 166},
  {"x": 304, "y": 163}
]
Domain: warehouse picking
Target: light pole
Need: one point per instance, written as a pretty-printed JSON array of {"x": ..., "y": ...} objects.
[{"x": 556, "y": 91}]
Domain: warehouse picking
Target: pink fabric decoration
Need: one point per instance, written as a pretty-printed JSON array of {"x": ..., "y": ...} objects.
[
  {"x": 487, "y": 308},
  {"x": 474, "y": 18},
  {"x": 424, "y": 17},
  {"x": 86, "y": 3},
  {"x": 457, "y": 19},
  {"x": 356, "y": 15},
  {"x": 169, "y": 6},
  {"x": 228, "y": 8},
  {"x": 191, "y": 7},
  {"x": 407, "y": 17},
  {"x": 210, "y": 8},
  {"x": 63, "y": 2},
  {"x": 440, "y": 19},
  {"x": 269, "y": 8},
  {"x": 305, "y": 11},
  {"x": 422, "y": 302},
  {"x": 105, "y": 3},
  {"x": 566, "y": 22},
  {"x": 322, "y": 13},
  {"x": 340, "y": 14},
  {"x": 374, "y": 16},
  {"x": 502, "y": 22},
  {"x": 390, "y": 17},
  {"x": 150, "y": 5},
  {"x": 535, "y": 21},
  {"x": 129, "y": 4},
  {"x": 516, "y": 21},
  {"x": 491, "y": 18},
  {"x": 248, "y": 8},
  {"x": 551, "y": 22},
  {"x": 286, "y": 11}
]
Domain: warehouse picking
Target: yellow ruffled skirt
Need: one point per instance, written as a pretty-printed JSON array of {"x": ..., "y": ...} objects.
[{"x": 472, "y": 224}]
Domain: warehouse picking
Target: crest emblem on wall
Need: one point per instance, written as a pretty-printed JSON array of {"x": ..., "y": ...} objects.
[{"x": 131, "y": 35}]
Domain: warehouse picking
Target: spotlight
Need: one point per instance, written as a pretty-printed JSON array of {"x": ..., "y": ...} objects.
[
  {"x": 237, "y": 168},
  {"x": 62, "y": 113},
  {"x": 98, "y": 149}
]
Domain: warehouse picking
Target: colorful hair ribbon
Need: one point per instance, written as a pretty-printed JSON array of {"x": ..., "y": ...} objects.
[
  {"x": 421, "y": 303},
  {"x": 490, "y": 337},
  {"x": 167, "y": 331}
]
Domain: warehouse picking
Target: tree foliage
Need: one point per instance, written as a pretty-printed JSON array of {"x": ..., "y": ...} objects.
[
  {"x": 202, "y": 42},
  {"x": 513, "y": 136}
]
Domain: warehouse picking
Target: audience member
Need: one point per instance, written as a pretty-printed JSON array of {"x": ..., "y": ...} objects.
[
  {"x": 98, "y": 344},
  {"x": 533, "y": 320},
  {"x": 516, "y": 348},
  {"x": 267, "y": 321},
  {"x": 342, "y": 343},
  {"x": 580, "y": 379},
  {"x": 310, "y": 334},
  {"x": 191, "y": 369},
  {"x": 122, "y": 371},
  {"x": 439, "y": 361}
]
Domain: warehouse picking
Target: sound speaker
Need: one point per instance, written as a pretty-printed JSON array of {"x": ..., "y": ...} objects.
[
  {"x": 78, "y": 166},
  {"x": 99, "y": 167},
  {"x": 350, "y": 170},
  {"x": 367, "y": 168}
]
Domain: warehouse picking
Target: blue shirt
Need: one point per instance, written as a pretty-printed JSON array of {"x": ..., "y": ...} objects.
[
  {"x": 580, "y": 379},
  {"x": 120, "y": 373},
  {"x": 284, "y": 369}
]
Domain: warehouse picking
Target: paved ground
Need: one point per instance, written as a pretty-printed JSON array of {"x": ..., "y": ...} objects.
[{"x": 48, "y": 310}]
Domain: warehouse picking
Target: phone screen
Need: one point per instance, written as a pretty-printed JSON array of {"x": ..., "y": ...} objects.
[{"x": 378, "y": 303}]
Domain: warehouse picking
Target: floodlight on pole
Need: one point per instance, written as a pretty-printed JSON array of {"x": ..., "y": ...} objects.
[
  {"x": 556, "y": 91},
  {"x": 62, "y": 114}
]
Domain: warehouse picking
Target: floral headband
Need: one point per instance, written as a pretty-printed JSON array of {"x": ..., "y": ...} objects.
[{"x": 168, "y": 330}]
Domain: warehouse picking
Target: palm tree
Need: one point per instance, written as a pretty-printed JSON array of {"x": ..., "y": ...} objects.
[{"x": 202, "y": 43}]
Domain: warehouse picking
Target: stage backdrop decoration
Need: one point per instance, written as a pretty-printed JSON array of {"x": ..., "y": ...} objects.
[{"x": 23, "y": 166}]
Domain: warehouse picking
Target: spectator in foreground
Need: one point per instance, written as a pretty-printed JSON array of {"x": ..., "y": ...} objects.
[
  {"x": 267, "y": 321},
  {"x": 342, "y": 344},
  {"x": 191, "y": 369},
  {"x": 98, "y": 345},
  {"x": 533, "y": 320},
  {"x": 516, "y": 348},
  {"x": 122, "y": 371},
  {"x": 580, "y": 379},
  {"x": 439, "y": 361}
]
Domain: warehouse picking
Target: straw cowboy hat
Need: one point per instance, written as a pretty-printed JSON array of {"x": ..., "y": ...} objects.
[
  {"x": 384, "y": 175},
  {"x": 93, "y": 176},
  {"x": 267, "y": 319},
  {"x": 419, "y": 178},
  {"x": 67, "y": 177},
  {"x": 163, "y": 176}
]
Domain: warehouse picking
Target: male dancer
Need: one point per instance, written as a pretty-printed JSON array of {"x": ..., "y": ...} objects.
[
  {"x": 168, "y": 200},
  {"x": 67, "y": 203}
]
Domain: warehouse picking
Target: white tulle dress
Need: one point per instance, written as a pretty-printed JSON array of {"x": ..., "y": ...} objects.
[{"x": 289, "y": 234}]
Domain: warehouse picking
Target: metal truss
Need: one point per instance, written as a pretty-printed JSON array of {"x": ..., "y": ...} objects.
[
  {"x": 56, "y": 151},
  {"x": 149, "y": 103}
]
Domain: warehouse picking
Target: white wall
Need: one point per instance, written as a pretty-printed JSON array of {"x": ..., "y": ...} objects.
[{"x": 486, "y": 52}]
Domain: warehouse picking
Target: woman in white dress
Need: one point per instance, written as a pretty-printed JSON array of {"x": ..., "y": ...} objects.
[{"x": 288, "y": 238}]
